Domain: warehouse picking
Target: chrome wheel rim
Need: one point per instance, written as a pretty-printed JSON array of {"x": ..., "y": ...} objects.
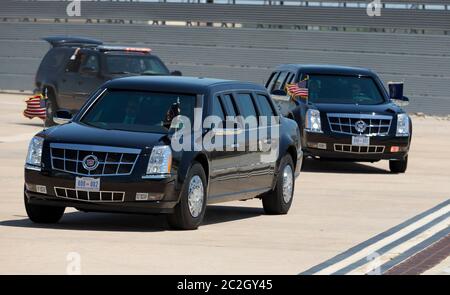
[
  {"x": 288, "y": 183},
  {"x": 195, "y": 196}
]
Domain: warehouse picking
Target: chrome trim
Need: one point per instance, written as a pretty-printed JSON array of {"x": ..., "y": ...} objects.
[
  {"x": 379, "y": 149},
  {"x": 156, "y": 176},
  {"x": 32, "y": 167},
  {"x": 88, "y": 195},
  {"x": 373, "y": 129},
  {"x": 92, "y": 149}
]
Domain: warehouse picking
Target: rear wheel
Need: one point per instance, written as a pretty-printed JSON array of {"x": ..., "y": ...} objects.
[
  {"x": 279, "y": 200},
  {"x": 43, "y": 214},
  {"x": 189, "y": 212},
  {"x": 398, "y": 166}
]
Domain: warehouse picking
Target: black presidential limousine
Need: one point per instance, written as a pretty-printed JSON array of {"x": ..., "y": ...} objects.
[
  {"x": 117, "y": 153},
  {"x": 346, "y": 114}
]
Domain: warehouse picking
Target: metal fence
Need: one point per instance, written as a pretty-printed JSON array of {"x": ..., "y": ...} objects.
[{"x": 250, "y": 49}]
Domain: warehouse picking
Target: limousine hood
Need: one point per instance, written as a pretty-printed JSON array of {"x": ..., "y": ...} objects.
[
  {"x": 381, "y": 109},
  {"x": 76, "y": 133}
]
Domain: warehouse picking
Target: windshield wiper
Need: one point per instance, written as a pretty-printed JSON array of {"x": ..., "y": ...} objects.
[{"x": 120, "y": 73}]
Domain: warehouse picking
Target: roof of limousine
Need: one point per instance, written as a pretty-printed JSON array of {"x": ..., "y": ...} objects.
[
  {"x": 177, "y": 84},
  {"x": 326, "y": 69}
]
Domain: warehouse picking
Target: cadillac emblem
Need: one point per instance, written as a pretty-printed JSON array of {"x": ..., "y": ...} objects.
[
  {"x": 360, "y": 126},
  {"x": 90, "y": 162}
]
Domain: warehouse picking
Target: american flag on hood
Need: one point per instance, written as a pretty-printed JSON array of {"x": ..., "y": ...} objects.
[{"x": 298, "y": 89}]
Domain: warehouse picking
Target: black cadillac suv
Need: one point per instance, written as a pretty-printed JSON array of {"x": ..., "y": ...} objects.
[
  {"x": 76, "y": 66},
  {"x": 164, "y": 145},
  {"x": 344, "y": 113}
]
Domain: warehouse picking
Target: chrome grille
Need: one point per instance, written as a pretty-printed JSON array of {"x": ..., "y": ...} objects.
[
  {"x": 377, "y": 125},
  {"x": 80, "y": 195},
  {"x": 111, "y": 160},
  {"x": 355, "y": 149}
]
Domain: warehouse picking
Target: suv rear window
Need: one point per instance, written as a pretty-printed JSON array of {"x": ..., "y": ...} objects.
[
  {"x": 342, "y": 89},
  {"x": 54, "y": 59},
  {"x": 135, "y": 64},
  {"x": 136, "y": 110}
]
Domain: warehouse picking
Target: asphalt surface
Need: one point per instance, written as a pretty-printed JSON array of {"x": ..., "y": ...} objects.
[{"x": 336, "y": 206}]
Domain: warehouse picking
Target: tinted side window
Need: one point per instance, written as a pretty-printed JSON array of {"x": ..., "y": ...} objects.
[
  {"x": 265, "y": 109},
  {"x": 245, "y": 104},
  {"x": 264, "y": 106},
  {"x": 73, "y": 65},
  {"x": 271, "y": 81},
  {"x": 217, "y": 108},
  {"x": 54, "y": 59},
  {"x": 279, "y": 84},
  {"x": 228, "y": 104},
  {"x": 90, "y": 61}
]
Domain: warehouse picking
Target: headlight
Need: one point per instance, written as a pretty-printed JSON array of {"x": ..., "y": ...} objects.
[
  {"x": 35, "y": 152},
  {"x": 402, "y": 125},
  {"x": 313, "y": 123},
  {"x": 160, "y": 160}
]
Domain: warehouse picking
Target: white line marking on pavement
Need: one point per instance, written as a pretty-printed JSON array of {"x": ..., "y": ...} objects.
[
  {"x": 408, "y": 244},
  {"x": 17, "y": 137},
  {"x": 389, "y": 239}
]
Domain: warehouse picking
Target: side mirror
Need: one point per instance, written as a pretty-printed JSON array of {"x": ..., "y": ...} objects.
[
  {"x": 88, "y": 70},
  {"x": 396, "y": 94},
  {"x": 62, "y": 117},
  {"x": 280, "y": 95},
  {"x": 176, "y": 73}
]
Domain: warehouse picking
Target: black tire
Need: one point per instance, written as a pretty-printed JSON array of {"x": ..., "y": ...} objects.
[
  {"x": 50, "y": 109},
  {"x": 273, "y": 201},
  {"x": 43, "y": 214},
  {"x": 182, "y": 218},
  {"x": 398, "y": 166}
]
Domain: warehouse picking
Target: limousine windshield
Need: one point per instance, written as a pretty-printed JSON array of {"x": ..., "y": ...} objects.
[
  {"x": 339, "y": 89},
  {"x": 136, "y": 110}
]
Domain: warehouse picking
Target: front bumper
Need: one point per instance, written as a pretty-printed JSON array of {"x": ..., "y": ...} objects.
[
  {"x": 312, "y": 141},
  {"x": 164, "y": 192}
]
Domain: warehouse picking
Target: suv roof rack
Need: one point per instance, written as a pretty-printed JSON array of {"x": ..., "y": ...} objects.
[{"x": 58, "y": 41}]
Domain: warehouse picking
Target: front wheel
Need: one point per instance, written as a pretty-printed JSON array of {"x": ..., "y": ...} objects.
[
  {"x": 398, "y": 166},
  {"x": 189, "y": 212},
  {"x": 279, "y": 200},
  {"x": 43, "y": 214}
]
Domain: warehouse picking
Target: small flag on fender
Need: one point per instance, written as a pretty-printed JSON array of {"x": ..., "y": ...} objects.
[
  {"x": 34, "y": 107},
  {"x": 298, "y": 89}
]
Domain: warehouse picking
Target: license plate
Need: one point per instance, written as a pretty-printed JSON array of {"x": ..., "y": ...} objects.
[
  {"x": 87, "y": 184},
  {"x": 360, "y": 140}
]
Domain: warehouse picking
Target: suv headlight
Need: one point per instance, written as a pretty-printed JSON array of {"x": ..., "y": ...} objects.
[
  {"x": 313, "y": 123},
  {"x": 402, "y": 125},
  {"x": 160, "y": 160},
  {"x": 35, "y": 152}
]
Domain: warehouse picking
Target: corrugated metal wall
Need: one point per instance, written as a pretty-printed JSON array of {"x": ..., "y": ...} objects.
[{"x": 421, "y": 60}]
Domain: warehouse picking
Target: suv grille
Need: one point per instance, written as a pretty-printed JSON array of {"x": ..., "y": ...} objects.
[
  {"x": 348, "y": 148},
  {"x": 111, "y": 160},
  {"x": 102, "y": 196},
  {"x": 375, "y": 125}
]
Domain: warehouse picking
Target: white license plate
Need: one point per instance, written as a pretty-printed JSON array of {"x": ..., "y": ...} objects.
[
  {"x": 87, "y": 184},
  {"x": 360, "y": 140}
]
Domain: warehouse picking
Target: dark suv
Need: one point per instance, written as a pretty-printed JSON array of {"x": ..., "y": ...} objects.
[
  {"x": 75, "y": 66},
  {"x": 344, "y": 113},
  {"x": 164, "y": 145}
]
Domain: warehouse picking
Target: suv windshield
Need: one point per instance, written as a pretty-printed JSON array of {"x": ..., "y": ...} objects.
[
  {"x": 136, "y": 110},
  {"x": 135, "y": 64},
  {"x": 341, "y": 89}
]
